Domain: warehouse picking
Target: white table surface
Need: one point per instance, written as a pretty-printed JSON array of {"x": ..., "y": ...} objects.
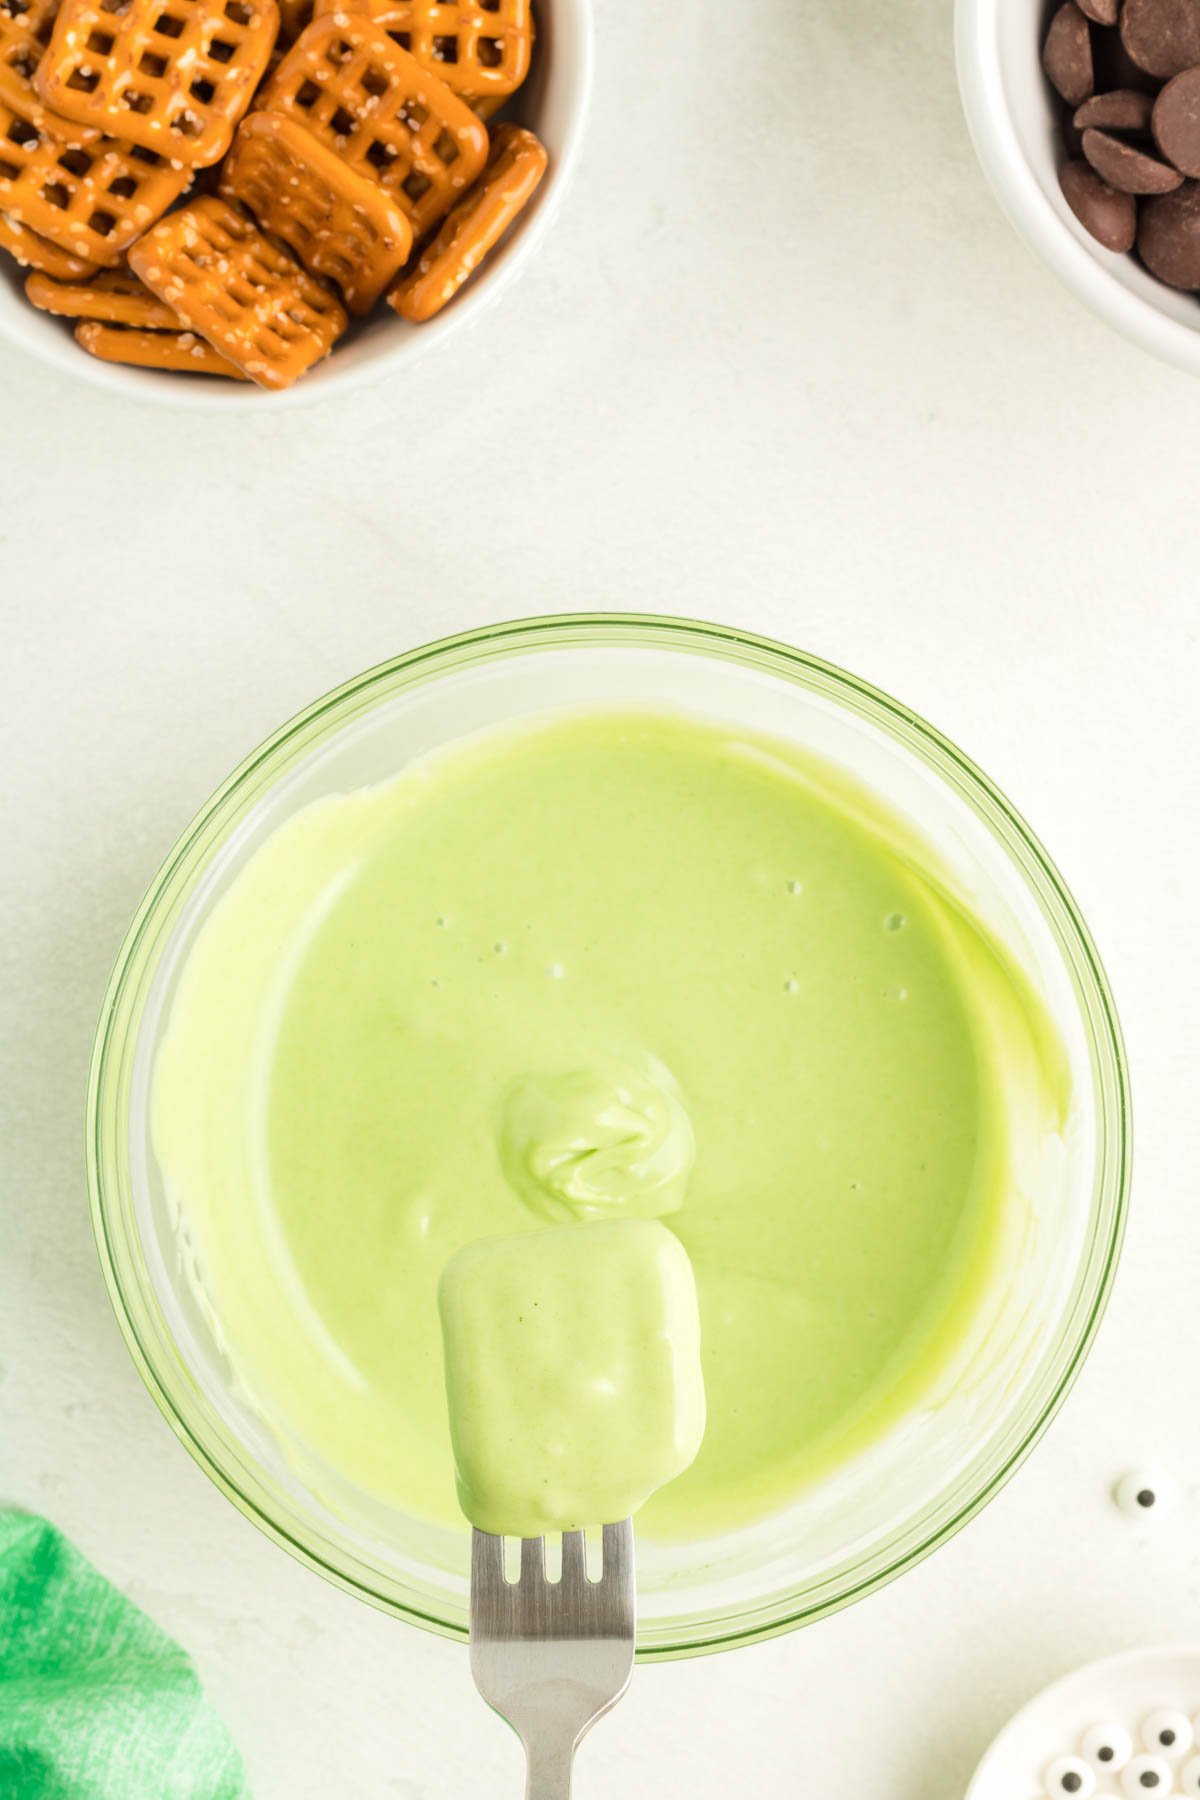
[{"x": 781, "y": 364}]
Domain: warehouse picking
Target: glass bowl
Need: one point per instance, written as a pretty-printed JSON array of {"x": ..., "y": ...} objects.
[{"x": 908, "y": 1494}]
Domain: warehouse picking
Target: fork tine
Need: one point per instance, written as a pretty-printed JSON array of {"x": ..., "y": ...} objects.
[
  {"x": 574, "y": 1558},
  {"x": 487, "y": 1559},
  {"x": 533, "y": 1559},
  {"x": 618, "y": 1552}
]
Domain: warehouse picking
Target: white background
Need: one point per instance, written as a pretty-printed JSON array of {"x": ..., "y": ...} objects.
[{"x": 781, "y": 364}]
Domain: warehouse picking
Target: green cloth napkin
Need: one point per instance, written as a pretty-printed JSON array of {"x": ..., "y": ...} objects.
[{"x": 96, "y": 1702}]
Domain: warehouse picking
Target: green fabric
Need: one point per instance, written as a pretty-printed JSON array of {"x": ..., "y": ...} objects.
[{"x": 96, "y": 1702}]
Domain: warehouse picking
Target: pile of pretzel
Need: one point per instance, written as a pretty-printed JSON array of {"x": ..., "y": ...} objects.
[{"x": 351, "y": 164}]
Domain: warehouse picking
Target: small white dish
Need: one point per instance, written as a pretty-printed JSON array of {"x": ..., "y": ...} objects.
[
  {"x": 553, "y": 102},
  {"x": 1092, "y": 1728},
  {"x": 1012, "y": 118}
]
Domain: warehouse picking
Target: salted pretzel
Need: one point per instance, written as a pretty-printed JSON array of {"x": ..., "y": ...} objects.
[
  {"x": 92, "y": 200},
  {"x": 25, "y": 27},
  {"x": 340, "y": 224},
  {"x": 382, "y": 113},
  {"x": 517, "y": 164},
  {"x": 181, "y": 352},
  {"x": 244, "y": 294},
  {"x": 34, "y": 252},
  {"x": 172, "y": 75},
  {"x": 115, "y": 297},
  {"x": 478, "y": 48}
]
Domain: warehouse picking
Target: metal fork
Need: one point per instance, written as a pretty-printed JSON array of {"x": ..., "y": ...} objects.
[{"x": 552, "y": 1657}]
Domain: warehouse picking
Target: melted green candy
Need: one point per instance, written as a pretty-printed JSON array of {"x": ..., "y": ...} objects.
[{"x": 607, "y": 966}]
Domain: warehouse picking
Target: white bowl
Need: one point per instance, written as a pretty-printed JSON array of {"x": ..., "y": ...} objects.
[
  {"x": 1013, "y": 120},
  {"x": 553, "y": 102},
  {"x": 1122, "y": 1690}
]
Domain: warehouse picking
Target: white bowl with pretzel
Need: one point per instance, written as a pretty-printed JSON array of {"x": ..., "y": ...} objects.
[{"x": 551, "y": 103}]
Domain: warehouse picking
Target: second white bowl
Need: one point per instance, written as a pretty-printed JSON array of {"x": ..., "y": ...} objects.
[{"x": 1013, "y": 120}]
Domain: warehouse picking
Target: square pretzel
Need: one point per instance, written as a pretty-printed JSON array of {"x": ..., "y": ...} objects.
[
  {"x": 478, "y": 47},
  {"x": 172, "y": 75},
  {"x": 34, "y": 252},
  {"x": 114, "y": 297},
  {"x": 25, "y": 28},
  {"x": 374, "y": 105},
  {"x": 242, "y": 293},
  {"x": 341, "y": 225},
  {"x": 92, "y": 200},
  {"x": 177, "y": 352},
  {"x": 515, "y": 168}
]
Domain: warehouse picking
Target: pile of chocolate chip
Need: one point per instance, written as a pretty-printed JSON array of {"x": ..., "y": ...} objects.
[{"x": 1129, "y": 75}]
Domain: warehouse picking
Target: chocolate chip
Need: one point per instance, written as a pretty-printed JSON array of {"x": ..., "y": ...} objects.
[
  {"x": 1103, "y": 12},
  {"x": 1162, "y": 36},
  {"x": 1123, "y": 110},
  {"x": 1176, "y": 121},
  {"x": 1110, "y": 217},
  {"x": 1127, "y": 168},
  {"x": 1067, "y": 55},
  {"x": 1169, "y": 241}
]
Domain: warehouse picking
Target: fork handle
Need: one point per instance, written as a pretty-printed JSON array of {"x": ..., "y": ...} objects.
[{"x": 549, "y": 1775}]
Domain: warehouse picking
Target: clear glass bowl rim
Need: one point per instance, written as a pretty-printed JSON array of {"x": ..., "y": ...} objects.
[{"x": 107, "y": 1175}]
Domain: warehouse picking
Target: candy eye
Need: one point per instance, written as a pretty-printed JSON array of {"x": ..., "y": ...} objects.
[
  {"x": 1189, "y": 1778},
  {"x": 1107, "y": 1747},
  {"x": 1070, "y": 1778},
  {"x": 1168, "y": 1734},
  {"x": 1146, "y": 1778},
  {"x": 1142, "y": 1491}
]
